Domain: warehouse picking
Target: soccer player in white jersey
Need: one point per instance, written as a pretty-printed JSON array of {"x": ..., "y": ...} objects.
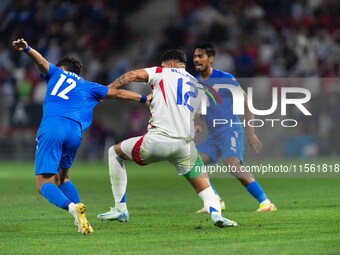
[{"x": 176, "y": 97}]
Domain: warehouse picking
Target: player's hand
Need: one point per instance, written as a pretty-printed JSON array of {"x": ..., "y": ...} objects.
[
  {"x": 20, "y": 44},
  {"x": 149, "y": 99},
  {"x": 254, "y": 142},
  {"x": 198, "y": 128}
]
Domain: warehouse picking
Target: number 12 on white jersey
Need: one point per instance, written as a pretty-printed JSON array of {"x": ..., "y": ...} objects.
[{"x": 184, "y": 99}]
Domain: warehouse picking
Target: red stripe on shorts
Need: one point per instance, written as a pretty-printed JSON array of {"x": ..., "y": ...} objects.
[{"x": 136, "y": 152}]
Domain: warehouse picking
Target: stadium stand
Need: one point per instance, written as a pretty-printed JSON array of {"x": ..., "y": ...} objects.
[{"x": 297, "y": 39}]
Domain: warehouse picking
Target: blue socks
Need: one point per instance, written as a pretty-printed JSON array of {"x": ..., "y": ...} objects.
[
  {"x": 54, "y": 195},
  {"x": 256, "y": 191},
  {"x": 70, "y": 191},
  {"x": 253, "y": 188}
]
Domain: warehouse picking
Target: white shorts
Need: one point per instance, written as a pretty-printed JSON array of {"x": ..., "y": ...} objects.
[{"x": 153, "y": 147}]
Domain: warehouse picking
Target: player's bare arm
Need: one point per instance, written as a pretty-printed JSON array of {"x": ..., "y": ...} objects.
[
  {"x": 125, "y": 94},
  {"x": 253, "y": 140},
  {"x": 139, "y": 75},
  {"x": 35, "y": 56}
]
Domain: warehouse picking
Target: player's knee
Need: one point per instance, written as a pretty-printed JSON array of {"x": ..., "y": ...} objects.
[
  {"x": 112, "y": 153},
  {"x": 41, "y": 179},
  {"x": 117, "y": 151}
]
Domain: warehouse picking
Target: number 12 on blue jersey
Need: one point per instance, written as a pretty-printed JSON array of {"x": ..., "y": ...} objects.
[
  {"x": 63, "y": 94},
  {"x": 184, "y": 99}
]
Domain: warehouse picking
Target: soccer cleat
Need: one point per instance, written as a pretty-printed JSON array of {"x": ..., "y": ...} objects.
[
  {"x": 76, "y": 223},
  {"x": 203, "y": 210},
  {"x": 222, "y": 222},
  {"x": 83, "y": 225},
  {"x": 266, "y": 207},
  {"x": 114, "y": 214}
]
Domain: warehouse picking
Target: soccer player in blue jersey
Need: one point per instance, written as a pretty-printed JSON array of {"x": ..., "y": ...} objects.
[
  {"x": 67, "y": 113},
  {"x": 226, "y": 141}
]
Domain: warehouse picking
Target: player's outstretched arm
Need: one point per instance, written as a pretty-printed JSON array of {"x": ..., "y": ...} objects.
[
  {"x": 127, "y": 95},
  {"x": 253, "y": 140},
  {"x": 139, "y": 75},
  {"x": 35, "y": 56}
]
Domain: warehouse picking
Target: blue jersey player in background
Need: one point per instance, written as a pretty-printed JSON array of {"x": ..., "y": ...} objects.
[
  {"x": 67, "y": 113},
  {"x": 226, "y": 141}
]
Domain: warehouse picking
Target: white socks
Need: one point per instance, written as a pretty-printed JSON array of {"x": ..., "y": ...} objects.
[
  {"x": 118, "y": 179},
  {"x": 267, "y": 201},
  {"x": 72, "y": 209},
  {"x": 210, "y": 200}
]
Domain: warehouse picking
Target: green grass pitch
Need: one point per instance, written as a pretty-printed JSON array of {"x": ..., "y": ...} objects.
[{"x": 162, "y": 219}]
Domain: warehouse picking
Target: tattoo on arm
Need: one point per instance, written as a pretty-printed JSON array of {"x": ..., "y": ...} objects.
[
  {"x": 132, "y": 76},
  {"x": 121, "y": 81}
]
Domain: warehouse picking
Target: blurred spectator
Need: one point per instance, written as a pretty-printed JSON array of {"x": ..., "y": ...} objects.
[
  {"x": 136, "y": 122},
  {"x": 274, "y": 38},
  {"x": 96, "y": 141}
]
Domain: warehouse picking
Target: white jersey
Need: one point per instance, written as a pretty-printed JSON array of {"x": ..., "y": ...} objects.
[{"x": 176, "y": 97}]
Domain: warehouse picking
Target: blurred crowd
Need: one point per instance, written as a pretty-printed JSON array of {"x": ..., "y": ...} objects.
[
  {"x": 264, "y": 37},
  {"x": 273, "y": 38},
  {"x": 93, "y": 30}
]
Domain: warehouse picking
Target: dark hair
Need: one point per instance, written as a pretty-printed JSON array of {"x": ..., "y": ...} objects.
[
  {"x": 174, "y": 54},
  {"x": 72, "y": 64},
  {"x": 207, "y": 47}
]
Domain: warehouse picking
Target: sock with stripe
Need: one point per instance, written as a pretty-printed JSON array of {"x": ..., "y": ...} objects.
[
  {"x": 210, "y": 200},
  {"x": 118, "y": 179}
]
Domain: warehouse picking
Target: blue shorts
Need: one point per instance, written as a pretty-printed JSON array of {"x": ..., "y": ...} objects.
[
  {"x": 223, "y": 145},
  {"x": 58, "y": 140}
]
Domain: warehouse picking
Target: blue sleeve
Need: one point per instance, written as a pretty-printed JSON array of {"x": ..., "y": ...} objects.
[
  {"x": 98, "y": 91},
  {"x": 234, "y": 81},
  {"x": 230, "y": 79},
  {"x": 51, "y": 69}
]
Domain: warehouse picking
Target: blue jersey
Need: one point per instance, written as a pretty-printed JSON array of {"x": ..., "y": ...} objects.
[
  {"x": 68, "y": 106},
  {"x": 224, "y": 111},
  {"x": 223, "y": 140},
  {"x": 70, "y": 96}
]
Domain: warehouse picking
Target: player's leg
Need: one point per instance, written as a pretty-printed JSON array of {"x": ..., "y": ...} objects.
[
  {"x": 118, "y": 178},
  {"x": 70, "y": 191},
  {"x": 232, "y": 153},
  {"x": 67, "y": 186},
  {"x": 189, "y": 164},
  {"x": 249, "y": 182},
  {"x": 50, "y": 145},
  {"x": 49, "y": 150},
  {"x": 210, "y": 200},
  {"x": 70, "y": 148},
  {"x": 209, "y": 154},
  {"x": 47, "y": 188}
]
